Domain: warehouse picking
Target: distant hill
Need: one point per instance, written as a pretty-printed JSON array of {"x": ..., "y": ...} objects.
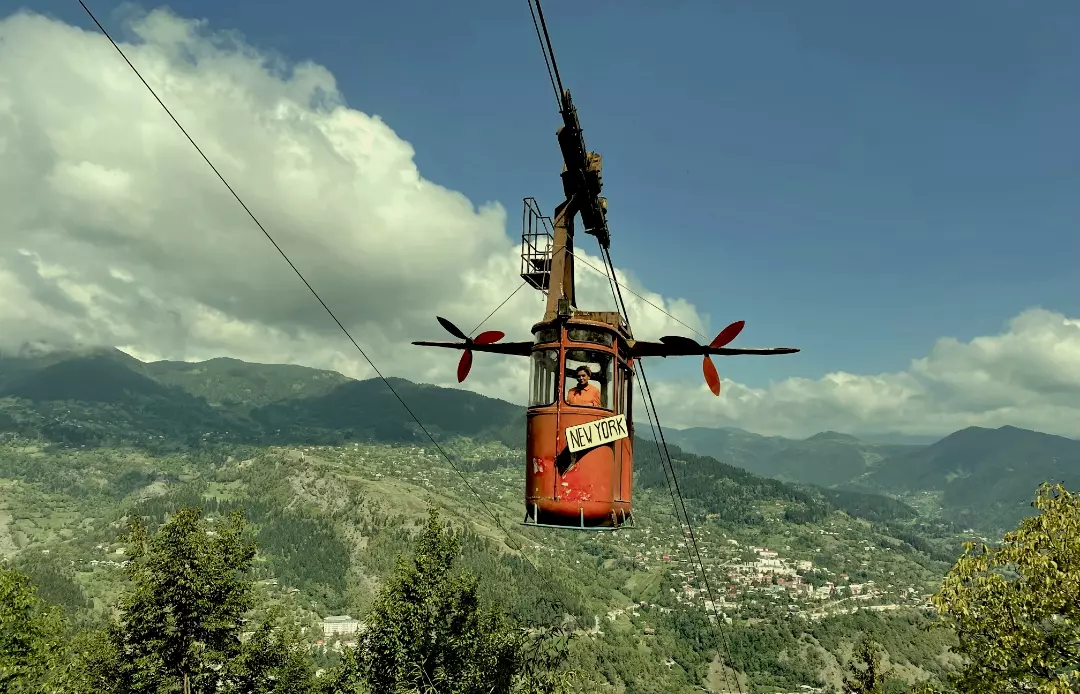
[
  {"x": 368, "y": 409},
  {"x": 109, "y": 398},
  {"x": 981, "y": 477},
  {"x": 92, "y": 397},
  {"x": 104, "y": 396},
  {"x": 827, "y": 459},
  {"x": 986, "y": 477},
  {"x": 225, "y": 381}
]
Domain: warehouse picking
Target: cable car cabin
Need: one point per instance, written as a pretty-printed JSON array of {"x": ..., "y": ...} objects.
[{"x": 579, "y": 456}]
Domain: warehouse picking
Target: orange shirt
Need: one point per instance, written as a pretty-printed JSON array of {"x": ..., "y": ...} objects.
[{"x": 589, "y": 396}]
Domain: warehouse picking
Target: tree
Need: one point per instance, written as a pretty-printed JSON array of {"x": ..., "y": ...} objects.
[
  {"x": 1016, "y": 608},
  {"x": 870, "y": 678},
  {"x": 30, "y": 635},
  {"x": 180, "y": 622},
  {"x": 273, "y": 661},
  {"x": 427, "y": 631},
  {"x": 91, "y": 666}
]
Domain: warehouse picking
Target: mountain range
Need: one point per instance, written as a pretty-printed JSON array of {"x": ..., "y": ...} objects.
[
  {"x": 978, "y": 477},
  {"x": 333, "y": 473}
]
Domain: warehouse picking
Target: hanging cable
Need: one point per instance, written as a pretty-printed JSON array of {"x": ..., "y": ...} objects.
[
  {"x": 674, "y": 477},
  {"x": 609, "y": 274},
  {"x": 504, "y": 301},
  {"x": 547, "y": 60},
  {"x": 498, "y": 522},
  {"x": 682, "y": 529},
  {"x": 686, "y": 516},
  {"x": 550, "y": 49}
]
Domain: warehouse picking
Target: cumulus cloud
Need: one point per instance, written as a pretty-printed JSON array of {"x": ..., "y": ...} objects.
[
  {"x": 1027, "y": 376},
  {"x": 115, "y": 232}
]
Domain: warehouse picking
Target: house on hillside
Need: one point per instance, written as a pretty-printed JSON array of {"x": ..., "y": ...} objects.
[{"x": 341, "y": 625}]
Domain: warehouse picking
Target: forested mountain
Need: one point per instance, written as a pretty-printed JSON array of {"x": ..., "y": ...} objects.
[
  {"x": 107, "y": 397},
  {"x": 236, "y": 383},
  {"x": 979, "y": 476},
  {"x": 334, "y": 478},
  {"x": 976, "y": 477},
  {"x": 827, "y": 459}
]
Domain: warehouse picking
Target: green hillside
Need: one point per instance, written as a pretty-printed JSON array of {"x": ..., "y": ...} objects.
[
  {"x": 975, "y": 478},
  {"x": 827, "y": 459},
  {"x": 336, "y": 481},
  {"x": 236, "y": 383},
  {"x": 979, "y": 477}
]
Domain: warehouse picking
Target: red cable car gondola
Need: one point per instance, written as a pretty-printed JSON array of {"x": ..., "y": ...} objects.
[{"x": 579, "y": 450}]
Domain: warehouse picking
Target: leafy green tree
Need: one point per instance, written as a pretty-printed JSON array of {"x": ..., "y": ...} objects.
[
  {"x": 91, "y": 665},
  {"x": 179, "y": 623},
  {"x": 1016, "y": 608},
  {"x": 869, "y": 678},
  {"x": 428, "y": 631},
  {"x": 30, "y": 633},
  {"x": 273, "y": 661}
]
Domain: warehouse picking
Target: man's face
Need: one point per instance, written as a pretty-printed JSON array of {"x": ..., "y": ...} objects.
[{"x": 582, "y": 378}]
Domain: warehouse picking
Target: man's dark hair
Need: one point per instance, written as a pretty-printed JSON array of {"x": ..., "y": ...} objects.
[{"x": 584, "y": 368}]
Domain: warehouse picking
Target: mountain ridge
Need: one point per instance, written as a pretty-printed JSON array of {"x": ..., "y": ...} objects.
[{"x": 91, "y": 396}]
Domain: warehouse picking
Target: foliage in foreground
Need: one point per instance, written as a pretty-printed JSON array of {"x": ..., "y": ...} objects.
[
  {"x": 29, "y": 634},
  {"x": 428, "y": 631},
  {"x": 1015, "y": 609},
  {"x": 178, "y": 629}
]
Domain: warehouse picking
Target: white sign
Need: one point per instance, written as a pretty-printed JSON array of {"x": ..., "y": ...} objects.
[{"x": 596, "y": 433}]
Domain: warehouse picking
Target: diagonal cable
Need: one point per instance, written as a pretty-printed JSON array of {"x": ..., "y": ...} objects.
[{"x": 307, "y": 284}]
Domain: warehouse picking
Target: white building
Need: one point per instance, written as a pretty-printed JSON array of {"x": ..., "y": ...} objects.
[{"x": 341, "y": 624}]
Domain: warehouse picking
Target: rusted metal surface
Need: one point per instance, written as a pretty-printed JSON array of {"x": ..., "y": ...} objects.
[{"x": 592, "y": 488}]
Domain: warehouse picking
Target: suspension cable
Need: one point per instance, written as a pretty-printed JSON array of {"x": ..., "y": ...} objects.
[
  {"x": 547, "y": 60},
  {"x": 610, "y": 275},
  {"x": 504, "y": 301},
  {"x": 689, "y": 523},
  {"x": 516, "y": 545},
  {"x": 675, "y": 479},
  {"x": 550, "y": 49}
]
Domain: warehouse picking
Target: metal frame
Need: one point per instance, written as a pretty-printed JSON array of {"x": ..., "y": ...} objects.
[
  {"x": 627, "y": 522},
  {"x": 537, "y": 245}
]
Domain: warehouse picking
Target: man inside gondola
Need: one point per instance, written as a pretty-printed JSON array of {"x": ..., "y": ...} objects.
[{"x": 584, "y": 393}]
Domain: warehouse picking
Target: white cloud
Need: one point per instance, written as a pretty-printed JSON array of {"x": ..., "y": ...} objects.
[
  {"x": 116, "y": 232},
  {"x": 1027, "y": 376}
]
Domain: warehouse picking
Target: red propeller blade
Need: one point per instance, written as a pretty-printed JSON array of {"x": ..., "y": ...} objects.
[
  {"x": 486, "y": 338},
  {"x": 711, "y": 377},
  {"x": 464, "y": 365},
  {"x": 728, "y": 334}
]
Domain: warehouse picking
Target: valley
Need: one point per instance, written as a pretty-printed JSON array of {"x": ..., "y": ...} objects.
[{"x": 335, "y": 483}]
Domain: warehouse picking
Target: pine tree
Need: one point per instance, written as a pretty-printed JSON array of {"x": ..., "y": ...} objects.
[
  {"x": 869, "y": 678},
  {"x": 428, "y": 631}
]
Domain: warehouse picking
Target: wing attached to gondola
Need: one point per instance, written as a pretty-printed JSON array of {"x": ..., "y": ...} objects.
[
  {"x": 484, "y": 342},
  {"x": 676, "y": 346},
  {"x": 521, "y": 349}
]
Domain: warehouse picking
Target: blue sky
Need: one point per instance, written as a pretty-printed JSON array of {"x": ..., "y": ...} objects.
[{"x": 857, "y": 181}]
